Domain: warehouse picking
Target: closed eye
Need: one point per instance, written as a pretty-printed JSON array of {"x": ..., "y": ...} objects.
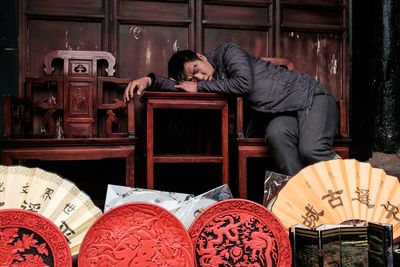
[{"x": 195, "y": 70}]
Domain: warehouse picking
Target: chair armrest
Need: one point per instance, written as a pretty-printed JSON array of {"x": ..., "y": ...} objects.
[
  {"x": 131, "y": 118},
  {"x": 342, "y": 128},
  {"x": 280, "y": 61},
  {"x": 129, "y": 107}
]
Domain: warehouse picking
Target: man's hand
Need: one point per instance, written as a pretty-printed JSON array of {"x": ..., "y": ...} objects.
[
  {"x": 190, "y": 87},
  {"x": 141, "y": 84}
]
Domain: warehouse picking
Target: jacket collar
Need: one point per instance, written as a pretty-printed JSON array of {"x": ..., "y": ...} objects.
[{"x": 210, "y": 59}]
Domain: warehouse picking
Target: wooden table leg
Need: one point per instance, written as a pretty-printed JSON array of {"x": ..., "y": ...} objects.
[
  {"x": 224, "y": 145},
  {"x": 130, "y": 173},
  {"x": 149, "y": 147},
  {"x": 242, "y": 174}
]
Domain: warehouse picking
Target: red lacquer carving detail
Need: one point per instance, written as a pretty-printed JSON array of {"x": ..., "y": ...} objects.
[
  {"x": 239, "y": 232},
  {"x": 31, "y": 240},
  {"x": 137, "y": 234}
]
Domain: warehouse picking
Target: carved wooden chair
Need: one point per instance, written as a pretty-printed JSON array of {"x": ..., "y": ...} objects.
[
  {"x": 74, "y": 112},
  {"x": 255, "y": 147}
]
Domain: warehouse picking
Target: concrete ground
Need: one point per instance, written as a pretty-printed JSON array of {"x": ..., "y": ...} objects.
[{"x": 388, "y": 162}]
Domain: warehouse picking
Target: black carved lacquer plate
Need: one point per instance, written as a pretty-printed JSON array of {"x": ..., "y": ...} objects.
[
  {"x": 238, "y": 232},
  {"x": 29, "y": 239},
  {"x": 137, "y": 234}
]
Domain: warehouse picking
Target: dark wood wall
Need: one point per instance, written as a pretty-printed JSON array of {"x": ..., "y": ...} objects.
[
  {"x": 143, "y": 34},
  {"x": 8, "y": 51}
]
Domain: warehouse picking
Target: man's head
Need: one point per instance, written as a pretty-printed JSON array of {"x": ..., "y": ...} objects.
[{"x": 186, "y": 65}]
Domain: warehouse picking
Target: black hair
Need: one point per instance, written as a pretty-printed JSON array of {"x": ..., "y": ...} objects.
[{"x": 177, "y": 62}]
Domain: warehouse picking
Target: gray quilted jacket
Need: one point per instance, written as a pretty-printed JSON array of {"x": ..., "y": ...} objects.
[{"x": 268, "y": 88}]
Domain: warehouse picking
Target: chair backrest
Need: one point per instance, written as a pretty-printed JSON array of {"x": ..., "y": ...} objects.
[{"x": 284, "y": 62}]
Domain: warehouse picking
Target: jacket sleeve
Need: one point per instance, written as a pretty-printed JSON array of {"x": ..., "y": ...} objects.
[
  {"x": 161, "y": 83},
  {"x": 238, "y": 68}
]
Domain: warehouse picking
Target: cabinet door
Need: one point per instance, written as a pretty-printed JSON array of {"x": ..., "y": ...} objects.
[
  {"x": 149, "y": 32},
  {"x": 247, "y": 23},
  {"x": 79, "y": 116}
]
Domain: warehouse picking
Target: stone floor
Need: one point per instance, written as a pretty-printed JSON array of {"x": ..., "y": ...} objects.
[{"x": 388, "y": 162}]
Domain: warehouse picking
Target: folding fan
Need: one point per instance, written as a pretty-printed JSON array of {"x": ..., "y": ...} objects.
[
  {"x": 57, "y": 199},
  {"x": 339, "y": 191}
]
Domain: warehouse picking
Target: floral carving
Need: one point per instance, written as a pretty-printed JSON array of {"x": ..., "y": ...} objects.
[
  {"x": 22, "y": 249},
  {"x": 139, "y": 234},
  {"x": 30, "y": 240}
]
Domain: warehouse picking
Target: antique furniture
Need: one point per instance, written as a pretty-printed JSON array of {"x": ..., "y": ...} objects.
[
  {"x": 74, "y": 112},
  {"x": 255, "y": 147},
  {"x": 185, "y": 101}
]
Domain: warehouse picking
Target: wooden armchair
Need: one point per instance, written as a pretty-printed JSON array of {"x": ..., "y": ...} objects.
[{"x": 255, "y": 147}]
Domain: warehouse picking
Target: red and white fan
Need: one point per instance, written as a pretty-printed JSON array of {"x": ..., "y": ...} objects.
[{"x": 51, "y": 196}]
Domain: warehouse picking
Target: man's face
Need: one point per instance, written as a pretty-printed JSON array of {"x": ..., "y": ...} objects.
[{"x": 198, "y": 70}]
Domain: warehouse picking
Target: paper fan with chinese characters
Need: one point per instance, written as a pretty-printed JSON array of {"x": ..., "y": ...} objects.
[
  {"x": 339, "y": 191},
  {"x": 51, "y": 196}
]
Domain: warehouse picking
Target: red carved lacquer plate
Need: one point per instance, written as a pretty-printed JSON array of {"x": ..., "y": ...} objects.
[
  {"x": 238, "y": 232},
  {"x": 137, "y": 234},
  {"x": 29, "y": 239}
]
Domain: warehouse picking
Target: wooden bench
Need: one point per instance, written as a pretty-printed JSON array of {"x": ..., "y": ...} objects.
[{"x": 255, "y": 147}]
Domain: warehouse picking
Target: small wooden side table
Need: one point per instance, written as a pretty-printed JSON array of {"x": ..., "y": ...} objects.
[{"x": 185, "y": 101}]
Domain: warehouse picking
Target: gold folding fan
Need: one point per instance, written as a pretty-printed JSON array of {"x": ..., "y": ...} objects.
[
  {"x": 57, "y": 199},
  {"x": 339, "y": 191}
]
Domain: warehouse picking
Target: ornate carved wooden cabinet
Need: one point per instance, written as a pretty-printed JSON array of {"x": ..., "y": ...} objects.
[{"x": 74, "y": 112}]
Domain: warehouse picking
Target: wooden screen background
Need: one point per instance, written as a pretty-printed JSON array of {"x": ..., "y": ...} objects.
[{"x": 143, "y": 34}]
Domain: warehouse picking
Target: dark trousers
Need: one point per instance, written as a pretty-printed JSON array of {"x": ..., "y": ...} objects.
[{"x": 304, "y": 137}]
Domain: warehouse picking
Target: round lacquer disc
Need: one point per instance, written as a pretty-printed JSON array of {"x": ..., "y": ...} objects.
[
  {"x": 137, "y": 234},
  {"x": 238, "y": 232},
  {"x": 30, "y": 239}
]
